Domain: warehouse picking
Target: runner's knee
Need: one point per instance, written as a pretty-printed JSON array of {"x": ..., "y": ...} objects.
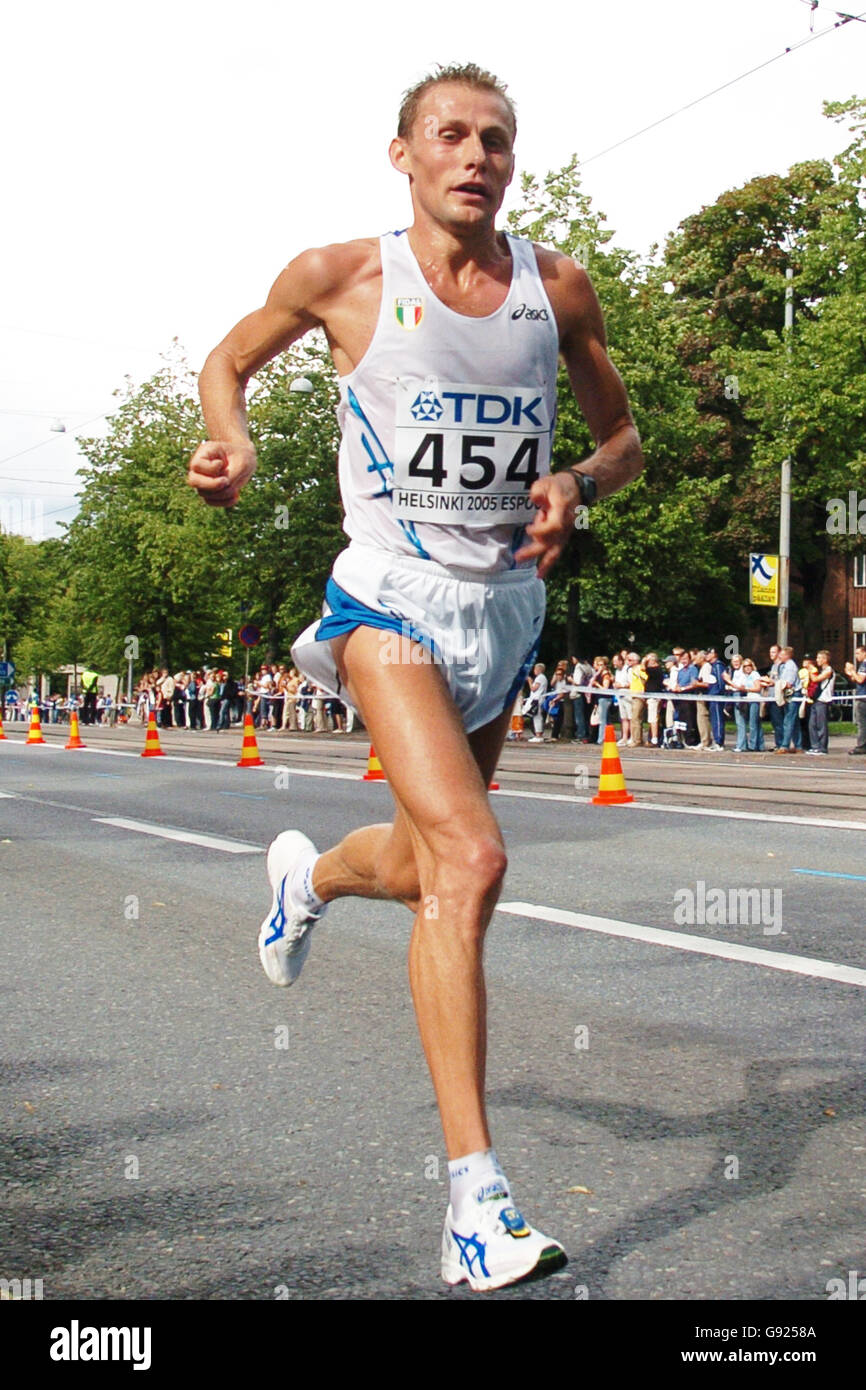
[{"x": 473, "y": 864}]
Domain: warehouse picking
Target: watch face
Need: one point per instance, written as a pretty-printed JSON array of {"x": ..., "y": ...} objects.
[{"x": 588, "y": 489}]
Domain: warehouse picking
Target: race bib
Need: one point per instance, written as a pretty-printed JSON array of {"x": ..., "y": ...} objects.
[{"x": 468, "y": 455}]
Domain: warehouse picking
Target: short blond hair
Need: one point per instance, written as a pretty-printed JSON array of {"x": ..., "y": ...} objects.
[{"x": 469, "y": 74}]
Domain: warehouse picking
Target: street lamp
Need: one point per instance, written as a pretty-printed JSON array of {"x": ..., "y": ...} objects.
[{"x": 785, "y": 489}]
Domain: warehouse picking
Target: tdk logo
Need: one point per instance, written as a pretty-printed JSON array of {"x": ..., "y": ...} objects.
[
  {"x": 478, "y": 408},
  {"x": 521, "y": 311},
  {"x": 426, "y": 406}
]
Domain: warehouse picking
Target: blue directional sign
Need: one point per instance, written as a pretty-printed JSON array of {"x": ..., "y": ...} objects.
[{"x": 7, "y": 670}]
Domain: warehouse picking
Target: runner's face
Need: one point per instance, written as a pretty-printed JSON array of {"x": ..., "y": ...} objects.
[{"x": 459, "y": 155}]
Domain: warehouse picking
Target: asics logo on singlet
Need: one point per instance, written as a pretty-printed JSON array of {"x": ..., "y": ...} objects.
[
  {"x": 426, "y": 406},
  {"x": 522, "y": 312}
]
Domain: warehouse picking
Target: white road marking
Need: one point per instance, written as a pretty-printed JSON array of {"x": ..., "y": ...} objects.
[
  {"x": 701, "y": 945},
  {"x": 631, "y": 807},
  {"x": 188, "y": 837},
  {"x": 823, "y": 823}
]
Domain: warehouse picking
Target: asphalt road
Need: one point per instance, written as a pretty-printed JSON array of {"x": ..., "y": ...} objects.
[{"x": 689, "y": 1125}]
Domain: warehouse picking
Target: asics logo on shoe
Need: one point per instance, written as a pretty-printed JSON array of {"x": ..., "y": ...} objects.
[
  {"x": 514, "y": 1222},
  {"x": 278, "y": 921},
  {"x": 492, "y": 1191},
  {"x": 472, "y": 1249}
]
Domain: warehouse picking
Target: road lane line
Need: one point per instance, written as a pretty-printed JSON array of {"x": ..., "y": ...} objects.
[
  {"x": 826, "y": 873},
  {"x": 188, "y": 837},
  {"x": 635, "y": 806},
  {"x": 701, "y": 945}
]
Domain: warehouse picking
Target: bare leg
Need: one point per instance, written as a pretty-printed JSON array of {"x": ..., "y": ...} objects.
[{"x": 443, "y": 857}]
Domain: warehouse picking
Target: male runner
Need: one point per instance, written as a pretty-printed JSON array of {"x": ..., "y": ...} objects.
[{"x": 446, "y": 338}]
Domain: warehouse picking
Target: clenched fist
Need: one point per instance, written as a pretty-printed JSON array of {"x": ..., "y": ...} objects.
[{"x": 218, "y": 471}]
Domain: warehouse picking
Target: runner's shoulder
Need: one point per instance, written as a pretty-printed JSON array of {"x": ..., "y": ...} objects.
[
  {"x": 562, "y": 274},
  {"x": 323, "y": 271},
  {"x": 569, "y": 289}
]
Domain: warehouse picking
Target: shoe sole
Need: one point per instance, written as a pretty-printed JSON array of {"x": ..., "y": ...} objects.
[
  {"x": 551, "y": 1259},
  {"x": 278, "y": 870}
]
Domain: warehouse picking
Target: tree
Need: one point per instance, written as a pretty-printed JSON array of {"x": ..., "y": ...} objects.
[
  {"x": 149, "y": 558},
  {"x": 632, "y": 569},
  {"x": 286, "y": 528},
  {"x": 804, "y": 396}
]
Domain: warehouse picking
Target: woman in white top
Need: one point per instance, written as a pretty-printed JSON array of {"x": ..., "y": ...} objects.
[
  {"x": 754, "y": 688},
  {"x": 622, "y": 682},
  {"x": 534, "y": 703},
  {"x": 736, "y": 680}
]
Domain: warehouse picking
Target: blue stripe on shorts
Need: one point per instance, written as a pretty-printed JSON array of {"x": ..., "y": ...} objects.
[
  {"x": 526, "y": 667},
  {"x": 347, "y": 613}
]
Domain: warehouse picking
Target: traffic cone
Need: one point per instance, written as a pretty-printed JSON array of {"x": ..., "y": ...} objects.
[
  {"x": 151, "y": 742},
  {"x": 374, "y": 771},
  {"x": 74, "y": 735},
  {"x": 611, "y": 782},
  {"x": 249, "y": 747},
  {"x": 2, "y": 735},
  {"x": 35, "y": 734}
]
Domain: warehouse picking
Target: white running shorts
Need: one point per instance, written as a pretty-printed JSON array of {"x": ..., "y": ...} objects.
[{"x": 482, "y": 630}]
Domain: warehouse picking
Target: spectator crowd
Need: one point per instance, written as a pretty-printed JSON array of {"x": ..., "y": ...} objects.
[
  {"x": 686, "y": 699},
  {"x": 277, "y": 696}
]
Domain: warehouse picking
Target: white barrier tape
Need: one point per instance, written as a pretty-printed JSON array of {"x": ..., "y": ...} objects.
[{"x": 733, "y": 698}]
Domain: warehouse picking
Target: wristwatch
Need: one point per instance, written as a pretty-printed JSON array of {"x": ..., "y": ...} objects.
[{"x": 588, "y": 486}]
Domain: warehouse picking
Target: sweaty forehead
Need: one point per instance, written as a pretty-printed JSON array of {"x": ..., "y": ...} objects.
[{"x": 458, "y": 102}]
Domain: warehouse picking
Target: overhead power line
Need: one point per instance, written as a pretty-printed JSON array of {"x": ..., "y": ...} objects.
[
  {"x": 843, "y": 19},
  {"x": 43, "y": 442}
]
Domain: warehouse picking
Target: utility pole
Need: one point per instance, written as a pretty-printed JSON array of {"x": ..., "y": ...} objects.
[{"x": 785, "y": 500}]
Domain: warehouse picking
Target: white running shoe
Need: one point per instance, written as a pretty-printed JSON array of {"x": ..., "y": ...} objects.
[
  {"x": 284, "y": 936},
  {"x": 492, "y": 1245}
]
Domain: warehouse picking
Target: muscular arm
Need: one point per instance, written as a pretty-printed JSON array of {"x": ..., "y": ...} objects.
[
  {"x": 296, "y": 303},
  {"x": 597, "y": 385},
  {"x": 601, "y": 395}
]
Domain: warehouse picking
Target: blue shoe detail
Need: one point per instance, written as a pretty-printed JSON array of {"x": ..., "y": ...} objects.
[
  {"x": 469, "y": 1256},
  {"x": 278, "y": 921}
]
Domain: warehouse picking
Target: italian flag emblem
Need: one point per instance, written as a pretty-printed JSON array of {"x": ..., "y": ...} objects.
[{"x": 409, "y": 312}]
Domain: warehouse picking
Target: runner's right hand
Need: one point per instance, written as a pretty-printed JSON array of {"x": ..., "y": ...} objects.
[{"x": 218, "y": 470}]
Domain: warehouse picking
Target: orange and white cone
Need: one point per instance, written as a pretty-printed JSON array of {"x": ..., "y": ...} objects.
[
  {"x": 611, "y": 782},
  {"x": 35, "y": 734},
  {"x": 249, "y": 748},
  {"x": 74, "y": 735},
  {"x": 151, "y": 742},
  {"x": 2, "y": 735},
  {"x": 374, "y": 771}
]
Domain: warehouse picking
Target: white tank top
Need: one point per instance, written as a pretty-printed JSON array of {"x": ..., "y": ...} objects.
[{"x": 448, "y": 420}]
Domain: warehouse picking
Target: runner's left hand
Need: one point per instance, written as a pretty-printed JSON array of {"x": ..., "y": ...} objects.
[{"x": 557, "y": 497}]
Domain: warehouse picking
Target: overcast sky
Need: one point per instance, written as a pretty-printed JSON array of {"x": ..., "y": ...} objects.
[{"x": 163, "y": 162}]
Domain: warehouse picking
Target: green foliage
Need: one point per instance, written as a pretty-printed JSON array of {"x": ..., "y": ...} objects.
[
  {"x": 149, "y": 558},
  {"x": 286, "y": 528}
]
